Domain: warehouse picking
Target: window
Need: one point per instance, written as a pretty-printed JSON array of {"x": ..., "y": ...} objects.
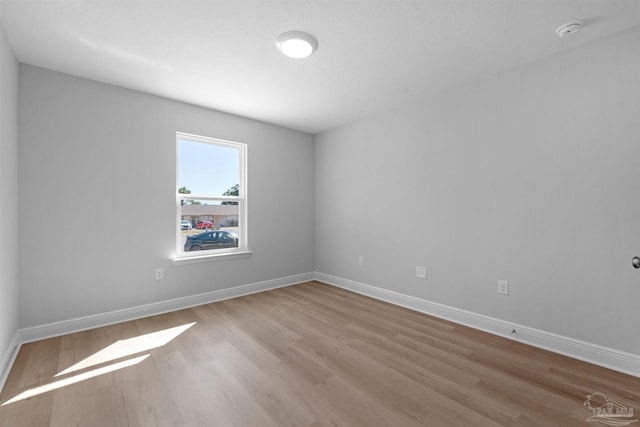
[{"x": 211, "y": 197}]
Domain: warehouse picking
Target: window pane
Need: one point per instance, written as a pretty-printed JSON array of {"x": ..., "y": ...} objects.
[
  {"x": 208, "y": 168},
  {"x": 208, "y": 225}
]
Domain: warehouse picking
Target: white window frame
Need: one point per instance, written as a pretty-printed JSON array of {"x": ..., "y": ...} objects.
[{"x": 182, "y": 257}]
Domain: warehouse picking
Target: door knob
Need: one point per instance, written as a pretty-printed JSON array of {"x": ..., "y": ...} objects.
[{"x": 636, "y": 262}]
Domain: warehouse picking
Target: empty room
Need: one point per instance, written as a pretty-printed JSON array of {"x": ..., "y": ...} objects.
[{"x": 319, "y": 213}]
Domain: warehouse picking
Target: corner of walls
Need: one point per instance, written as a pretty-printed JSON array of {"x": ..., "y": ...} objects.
[
  {"x": 9, "y": 357},
  {"x": 9, "y": 207}
]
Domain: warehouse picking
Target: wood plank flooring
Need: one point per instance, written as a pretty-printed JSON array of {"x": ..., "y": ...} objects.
[{"x": 306, "y": 355}]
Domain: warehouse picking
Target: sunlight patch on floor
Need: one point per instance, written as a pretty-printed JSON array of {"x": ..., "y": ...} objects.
[
  {"x": 115, "y": 351},
  {"x": 128, "y": 347},
  {"x": 76, "y": 379}
]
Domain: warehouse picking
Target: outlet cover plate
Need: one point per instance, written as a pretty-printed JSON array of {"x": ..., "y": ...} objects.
[
  {"x": 421, "y": 272},
  {"x": 503, "y": 287}
]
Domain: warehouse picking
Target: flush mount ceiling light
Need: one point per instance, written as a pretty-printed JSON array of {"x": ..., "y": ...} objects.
[
  {"x": 296, "y": 44},
  {"x": 568, "y": 29}
]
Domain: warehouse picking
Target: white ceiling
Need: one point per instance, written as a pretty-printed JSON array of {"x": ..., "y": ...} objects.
[{"x": 372, "y": 54}]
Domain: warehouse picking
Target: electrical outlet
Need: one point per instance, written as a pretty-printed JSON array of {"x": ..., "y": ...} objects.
[
  {"x": 361, "y": 261},
  {"x": 421, "y": 272},
  {"x": 503, "y": 287},
  {"x": 159, "y": 273}
]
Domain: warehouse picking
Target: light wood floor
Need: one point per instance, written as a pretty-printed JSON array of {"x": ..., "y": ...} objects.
[{"x": 305, "y": 355}]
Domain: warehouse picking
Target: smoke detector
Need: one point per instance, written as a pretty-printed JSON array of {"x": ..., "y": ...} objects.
[{"x": 568, "y": 29}]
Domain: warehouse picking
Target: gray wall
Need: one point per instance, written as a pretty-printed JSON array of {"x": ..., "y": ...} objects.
[
  {"x": 97, "y": 205},
  {"x": 531, "y": 176},
  {"x": 9, "y": 191}
]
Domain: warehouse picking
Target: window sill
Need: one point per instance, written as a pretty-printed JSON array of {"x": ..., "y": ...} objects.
[{"x": 210, "y": 258}]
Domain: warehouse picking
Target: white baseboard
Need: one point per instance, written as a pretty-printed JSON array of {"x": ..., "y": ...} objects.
[
  {"x": 593, "y": 353},
  {"x": 64, "y": 327},
  {"x": 588, "y": 352},
  {"x": 8, "y": 358}
]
